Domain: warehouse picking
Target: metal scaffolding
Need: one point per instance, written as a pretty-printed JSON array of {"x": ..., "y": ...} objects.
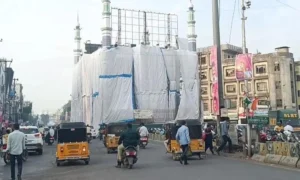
[{"x": 136, "y": 27}]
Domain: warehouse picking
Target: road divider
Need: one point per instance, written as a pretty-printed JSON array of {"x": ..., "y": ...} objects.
[{"x": 283, "y": 153}]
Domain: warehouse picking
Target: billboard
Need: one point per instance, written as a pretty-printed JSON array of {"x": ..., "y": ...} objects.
[
  {"x": 243, "y": 67},
  {"x": 215, "y": 86}
]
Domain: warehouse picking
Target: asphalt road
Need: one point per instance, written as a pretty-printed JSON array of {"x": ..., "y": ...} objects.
[{"x": 153, "y": 163}]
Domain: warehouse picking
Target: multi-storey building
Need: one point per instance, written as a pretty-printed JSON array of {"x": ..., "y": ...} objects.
[
  {"x": 297, "y": 76},
  {"x": 272, "y": 83}
]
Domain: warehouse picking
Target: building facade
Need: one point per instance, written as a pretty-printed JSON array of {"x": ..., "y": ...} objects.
[
  {"x": 273, "y": 81},
  {"x": 297, "y": 77}
]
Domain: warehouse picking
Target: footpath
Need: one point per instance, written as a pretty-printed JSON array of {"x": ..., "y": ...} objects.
[{"x": 277, "y": 153}]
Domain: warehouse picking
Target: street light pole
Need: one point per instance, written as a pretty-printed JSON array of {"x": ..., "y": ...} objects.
[
  {"x": 244, "y": 18},
  {"x": 217, "y": 43},
  {"x": 14, "y": 100}
]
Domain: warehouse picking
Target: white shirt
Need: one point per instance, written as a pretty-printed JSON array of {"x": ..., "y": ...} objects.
[
  {"x": 51, "y": 132},
  {"x": 16, "y": 142},
  {"x": 289, "y": 128},
  {"x": 143, "y": 131},
  {"x": 88, "y": 129}
]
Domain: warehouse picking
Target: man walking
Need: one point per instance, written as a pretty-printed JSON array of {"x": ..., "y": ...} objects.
[
  {"x": 224, "y": 132},
  {"x": 16, "y": 146},
  {"x": 183, "y": 137}
]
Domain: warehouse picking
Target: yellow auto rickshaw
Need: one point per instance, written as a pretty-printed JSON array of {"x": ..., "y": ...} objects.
[
  {"x": 72, "y": 144},
  {"x": 112, "y": 136},
  {"x": 197, "y": 145}
]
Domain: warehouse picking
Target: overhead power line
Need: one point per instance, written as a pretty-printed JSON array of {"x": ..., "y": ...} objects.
[
  {"x": 232, "y": 21},
  {"x": 287, "y": 5}
]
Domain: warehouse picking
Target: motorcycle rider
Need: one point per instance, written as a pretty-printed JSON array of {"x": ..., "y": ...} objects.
[
  {"x": 279, "y": 127},
  {"x": 88, "y": 131},
  {"x": 288, "y": 127},
  {"x": 127, "y": 138},
  {"x": 143, "y": 131}
]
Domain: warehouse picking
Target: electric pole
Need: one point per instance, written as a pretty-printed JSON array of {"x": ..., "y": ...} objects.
[
  {"x": 217, "y": 43},
  {"x": 244, "y": 18},
  {"x": 14, "y": 100}
]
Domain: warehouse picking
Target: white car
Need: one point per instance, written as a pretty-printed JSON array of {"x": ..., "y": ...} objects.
[
  {"x": 33, "y": 139},
  {"x": 94, "y": 133}
]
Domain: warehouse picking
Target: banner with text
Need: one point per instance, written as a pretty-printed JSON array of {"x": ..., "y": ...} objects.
[
  {"x": 243, "y": 67},
  {"x": 215, "y": 86}
]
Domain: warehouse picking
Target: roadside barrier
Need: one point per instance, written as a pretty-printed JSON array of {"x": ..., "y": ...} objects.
[
  {"x": 282, "y": 153},
  {"x": 156, "y": 137}
]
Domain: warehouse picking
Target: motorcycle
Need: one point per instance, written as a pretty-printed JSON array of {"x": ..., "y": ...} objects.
[
  {"x": 143, "y": 142},
  {"x": 51, "y": 140},
  {"x": 89, "y": 138},
  {"x": 129, "y": 157},
  {"x": 6, "y": 156},
  {"x": 266, "y": 136}
]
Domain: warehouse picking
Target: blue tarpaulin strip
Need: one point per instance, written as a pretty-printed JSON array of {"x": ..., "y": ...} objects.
[
  {"x": 115, "y": 76},
  {"x": 174, "y": 91},
  {"x": 127, "y": 120}
]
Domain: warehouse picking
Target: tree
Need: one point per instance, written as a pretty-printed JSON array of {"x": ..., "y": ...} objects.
[{"x": 66, "y": 108}]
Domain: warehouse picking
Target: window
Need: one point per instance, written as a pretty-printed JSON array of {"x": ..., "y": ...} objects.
[
  {"x": 298, "y": 106},
  {"x": 298, "y": 77},
  {"x": 248, "y": 88},
  {"x": 263, "y": 102},
  {"x": 298, "y": 93},
  {"x": 205, "y": 106},
  {"x": 204, "y": 75},
  {"x": 261, "y": 86},
  {"x": 204, "y": 91},
  {"x": 232, "y": 104},
  {"x": 279, "y": 102},
  {"x": 261, "y": 69},
  {"x": 231, "y": 88},
  {"x": 278, "y": 84},
  {"x": 203, "y": 60},
  {"x": 277, "y": 67},
  {"x": 230, "y": 72}
]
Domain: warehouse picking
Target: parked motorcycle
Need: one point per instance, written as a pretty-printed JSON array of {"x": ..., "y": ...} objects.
[
  {"x": 129, "y": 157},
  {"x": 143, "y": 142}
]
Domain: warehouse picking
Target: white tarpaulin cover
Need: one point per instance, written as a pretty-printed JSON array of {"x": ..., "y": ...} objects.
[
  {"x": 189, "y": 102},
  {"x": 150, "y": 81},
  {"x": 102, "y": 87},
  {"x": 110, "y": 83},
  {"x": 183, "y": 43}
]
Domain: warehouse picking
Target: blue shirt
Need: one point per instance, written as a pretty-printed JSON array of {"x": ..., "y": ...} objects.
[
  {"x": 183, "y": 135},
  {"x": 224, "y": 128}
]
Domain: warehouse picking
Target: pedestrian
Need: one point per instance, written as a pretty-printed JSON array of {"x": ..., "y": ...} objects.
[
  {"x": 183, "y": 137},
  {"x": 209, "y": 140},
  {"x": 225, "y": 137},
  {"x": 15, "y": 147}
]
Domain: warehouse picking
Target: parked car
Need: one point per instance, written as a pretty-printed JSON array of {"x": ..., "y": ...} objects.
[{"x": 33, "y": 139}]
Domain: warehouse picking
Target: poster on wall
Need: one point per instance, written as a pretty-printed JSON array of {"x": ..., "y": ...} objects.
[
  {"x": 243, "y": 67},
  {"x": 215, "y": 87}
]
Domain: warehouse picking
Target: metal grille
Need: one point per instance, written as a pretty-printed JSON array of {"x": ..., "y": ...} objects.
[{"x": 130, "y": 27}]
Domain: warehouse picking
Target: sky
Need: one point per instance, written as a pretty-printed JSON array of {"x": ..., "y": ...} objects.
[{"x": 39, "y": 35}]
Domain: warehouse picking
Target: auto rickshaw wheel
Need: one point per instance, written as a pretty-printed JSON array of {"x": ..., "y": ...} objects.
[
  {"x": 175, "y": 156},
  {"x": 87, "y": 162},
  {"x": 108, "y": 151},
  {"x": 57, "y": 163}
]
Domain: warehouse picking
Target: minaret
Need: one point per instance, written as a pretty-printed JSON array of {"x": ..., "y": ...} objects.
[
  {"x": 191, "y": 28},
  {"x": 106, "y": 24},
  {"x": 77, "y": 49}
]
